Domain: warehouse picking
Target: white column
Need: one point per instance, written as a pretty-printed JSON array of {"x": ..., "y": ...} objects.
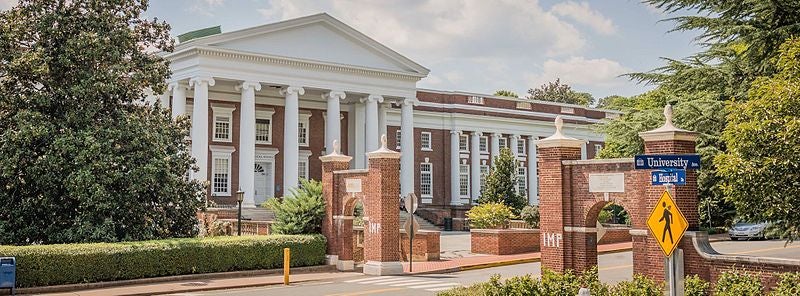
[
  {"x": 407, "y": 167},
  {"x": 533, "y": 176},
  {"x": 382, "y": 119},
  {"x": 200, "y": 125},
  {"x": 359, "y": 154},
  {"x": 333, "y": 124},
  {"x": 178, "y": 99},
  {"x": 496, "y": 144},
  {"x": 247, "y": 141},
  {"x": 475, "y": 165},
  {"x": 514, "y": 145},
  {"x": 291, "y": 146},
  {"x": 371, "y": 117},
  {"x": 583, "y": 151},
  {"x": 455, "y": 161}
]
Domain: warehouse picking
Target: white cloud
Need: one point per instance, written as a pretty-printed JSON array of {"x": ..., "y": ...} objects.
[
  {"x": 583, "y": 13},
  {"x": 206, "y": 7},
  {"x": 579, "y": 71}
]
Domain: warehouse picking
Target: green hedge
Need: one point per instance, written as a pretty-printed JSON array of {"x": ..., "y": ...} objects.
[{"x": 84, "y": 263}]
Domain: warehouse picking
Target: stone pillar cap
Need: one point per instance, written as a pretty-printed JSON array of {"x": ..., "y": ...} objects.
[
  {"x": 335, "y": 156},
  {"x": 558, "y": 139},
  {"x": 668, "y": 131},
  {"x": 383, "y": 152}
]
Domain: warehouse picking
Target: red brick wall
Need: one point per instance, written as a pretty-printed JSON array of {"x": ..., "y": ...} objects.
[
  {"x": 504, "y": 241},
  {"x": 425, "y": 247},
  {"x": 615, "y": 235}
]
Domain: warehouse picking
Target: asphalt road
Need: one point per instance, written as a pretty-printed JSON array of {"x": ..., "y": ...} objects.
[{"x": 612, "y": 267}]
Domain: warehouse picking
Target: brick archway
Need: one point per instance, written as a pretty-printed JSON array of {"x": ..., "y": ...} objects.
[{"x": 377, "y": 188}]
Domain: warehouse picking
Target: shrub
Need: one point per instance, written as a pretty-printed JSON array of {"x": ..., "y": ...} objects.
[
  {"x": 738, "y": 283},
  {"x": 605, "y": 216},
  {"x": 639, "y": 286},
  {"x": 531, "y": 215},
  {"x": 489, "y": 216},
  {"x": 301, "y": 212},
  {"x": 693, "y": 285},
  {"x": 788, "y": 285},
  {"x": 45, "y": 265}
]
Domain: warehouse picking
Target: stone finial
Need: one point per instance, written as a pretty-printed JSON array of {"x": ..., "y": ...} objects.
[
  {"x": 383, "y": 152},
  {"x": 558, "y": 139},
  {"x": 336, "y": 155},
  {"x": 668, "y": 131}
]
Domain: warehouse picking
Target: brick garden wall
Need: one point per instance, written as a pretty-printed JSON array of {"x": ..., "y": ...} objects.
[
  {"x": 504, "y": 241},
  {"x": 425, "y": 247}
]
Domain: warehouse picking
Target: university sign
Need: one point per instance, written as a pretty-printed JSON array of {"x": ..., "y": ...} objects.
[{"x": 677, "y": 161}]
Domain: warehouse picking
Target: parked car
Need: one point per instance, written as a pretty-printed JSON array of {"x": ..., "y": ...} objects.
[{"x": 749, "y": 230}]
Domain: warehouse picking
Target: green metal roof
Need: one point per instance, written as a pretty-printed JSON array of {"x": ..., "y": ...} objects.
[{"x": 199, "y": 33}]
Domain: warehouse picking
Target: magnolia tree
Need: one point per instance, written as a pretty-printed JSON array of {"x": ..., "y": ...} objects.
[{"x": 80, "y": 161}]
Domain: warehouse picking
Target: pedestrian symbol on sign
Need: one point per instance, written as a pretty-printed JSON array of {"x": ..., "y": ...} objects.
[
  {"x": 667, "y": 223},
  {"x": 667, "y": 218}
]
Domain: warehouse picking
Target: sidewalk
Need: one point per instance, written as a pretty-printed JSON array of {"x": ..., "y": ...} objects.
[
  {"x": 478, "y": 262},
  {"x": 189, "y": 286}
]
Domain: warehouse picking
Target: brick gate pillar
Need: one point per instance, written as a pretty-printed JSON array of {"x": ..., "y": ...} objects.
[
  {"x": 382, "y": 213},
  {"x": 554, "y": 193},
  {"x": 332, "y": 162},
  {"x": 667, "y": 139}
]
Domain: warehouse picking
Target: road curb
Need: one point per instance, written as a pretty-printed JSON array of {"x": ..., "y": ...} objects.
[{"x": 166, "y": 279}]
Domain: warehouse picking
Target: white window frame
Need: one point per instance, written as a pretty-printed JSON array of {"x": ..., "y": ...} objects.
[
  {"x": 484, "y": 173},
  {"x": 463, "y": 143},
  {"x": 522, "y": 179},
  {"x": 220, "y": 111},
  {"x": 422, "y": 173},
  {"x": 424, "y": 147},
  {"x": 221, "y": 152},
  {"x": 475, "y": 100},
  {"x": 303, "y": 158},
  {"x": 522, "y": 147},
  {"x": 502, "y": 142},
  {"x": 483, "y": 144},
  {"x": 264, "y": 115},
  {"x": 567, "y": 110},
  {"x": 463, "y": 180},
  {"x": 304, "y": 119},
  {"x": 398, "y": 136}
]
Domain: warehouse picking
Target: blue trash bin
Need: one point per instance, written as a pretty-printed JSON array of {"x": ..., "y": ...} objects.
[{"x": 8, "y": 273}]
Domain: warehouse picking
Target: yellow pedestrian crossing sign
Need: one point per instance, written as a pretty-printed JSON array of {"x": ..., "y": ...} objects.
[{"x": 667, "y": 223}]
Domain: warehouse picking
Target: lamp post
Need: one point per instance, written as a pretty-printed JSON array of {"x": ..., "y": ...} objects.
[{"x": 239, "y": 199}]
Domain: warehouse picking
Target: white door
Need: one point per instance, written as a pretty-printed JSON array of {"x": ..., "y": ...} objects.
[{"x": 263, "y": 182}]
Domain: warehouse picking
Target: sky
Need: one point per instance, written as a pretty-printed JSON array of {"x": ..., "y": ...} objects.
[{"x": 479, "y": 45}]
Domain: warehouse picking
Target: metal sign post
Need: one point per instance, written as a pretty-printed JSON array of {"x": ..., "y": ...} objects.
[{"x": 675, "y": 286}]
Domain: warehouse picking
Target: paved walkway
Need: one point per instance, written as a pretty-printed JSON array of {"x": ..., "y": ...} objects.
[{"x": 484, "y": 261}]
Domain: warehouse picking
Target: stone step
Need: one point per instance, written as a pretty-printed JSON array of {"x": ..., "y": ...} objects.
[{"x": 423, "y": 224}]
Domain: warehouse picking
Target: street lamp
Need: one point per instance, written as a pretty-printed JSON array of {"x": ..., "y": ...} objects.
[{"x": 239, "y": 199}]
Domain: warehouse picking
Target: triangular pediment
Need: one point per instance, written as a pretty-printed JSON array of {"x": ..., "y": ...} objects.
[{"x": 318, "y": 37}]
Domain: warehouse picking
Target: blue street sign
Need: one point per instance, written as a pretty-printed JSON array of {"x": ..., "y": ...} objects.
[
  {"x": 674, "y": 177},
  {"x": 669, "y": 161}
]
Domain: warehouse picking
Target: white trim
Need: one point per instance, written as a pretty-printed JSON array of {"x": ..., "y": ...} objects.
[
  {"x": 506, "y": 111},
  {"x": 398, "y": 136},
  {"x": 264, "y": 114},
  {"x": 430, "y": 172},
  {"x": 303, "y": 156},
  {"x": 422, "y": 142},
  {"x": 485, "y": 146},
  {"x": 221, "y": 152},
  {"x": 443, "y": 92},
  {"x": 463, "y": 139},
  {"x": 462, "y": 173},
  {"x": 305, "y": 120},
  {"x": 222, "y": 111},
  {"x": 580, "y": 229}
]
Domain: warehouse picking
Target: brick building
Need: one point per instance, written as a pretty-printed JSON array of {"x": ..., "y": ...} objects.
[{"x": 260, "y": 100}]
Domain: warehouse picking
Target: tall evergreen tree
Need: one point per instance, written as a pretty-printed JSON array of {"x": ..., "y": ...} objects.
[
  {"x": 80, "y": 161},
  {"x": 501, "y": 183}
]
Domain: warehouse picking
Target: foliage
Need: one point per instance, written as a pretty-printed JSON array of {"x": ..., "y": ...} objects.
[
  {"x": 358, "y": 214},
  {"x": 220, "y": 228},
  {"x": 760, "y": 167},
  {"x": 489, "y": 216},
  {"x": 693, "y": 285},
  {"x": 531, "y": 215},
  {"x": 788, "y": 285},
  {"x": 608, "y": 102},
  {"x": 79, "y": 160},
  {"x": 737, "y": 283},
  {"x": 501, "y": 183},
  {"x": 605, "y": 216},
  {"x": 301, "y": 212},
  {"x": 639, "y": 286},
  {"x": 561, "y": 93},
  {"x": 506, "y": 93},
  {"x": 45, "y": 265}
]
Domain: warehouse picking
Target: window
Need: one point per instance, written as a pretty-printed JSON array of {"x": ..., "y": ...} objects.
[
  {"x": 475, "y": 100},
  {"x": 522, "y": 180},
  {"x": 426, "y": 179},
  {"x": 597, "y": 149},
  {"x": 222, "y": 176},
  {"x": 484, "y": 144},
  {"x": 264, "y": 126},
  {"x": 223, "y": 123},
  {"x": 463, "y": 143},
  {"x": 568, "y": 110},
  {"x": 463, "y": 180},
  {"x": 484, "y": 174},
  {"x": 524, "y": 105},
  {"x": 398, "y": 137},
  {"x": 521, "y": 146},
  {"x": 425, "y": 141},
  {"x": 302, "y": 130},
  {"x": 302, "y": 169},
  {"x": 503, "y": 142}
]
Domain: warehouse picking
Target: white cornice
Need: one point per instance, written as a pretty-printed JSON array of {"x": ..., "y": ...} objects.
[
  {"x": 463, "y": 93},
  {"x": 508, "y": 111}
]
